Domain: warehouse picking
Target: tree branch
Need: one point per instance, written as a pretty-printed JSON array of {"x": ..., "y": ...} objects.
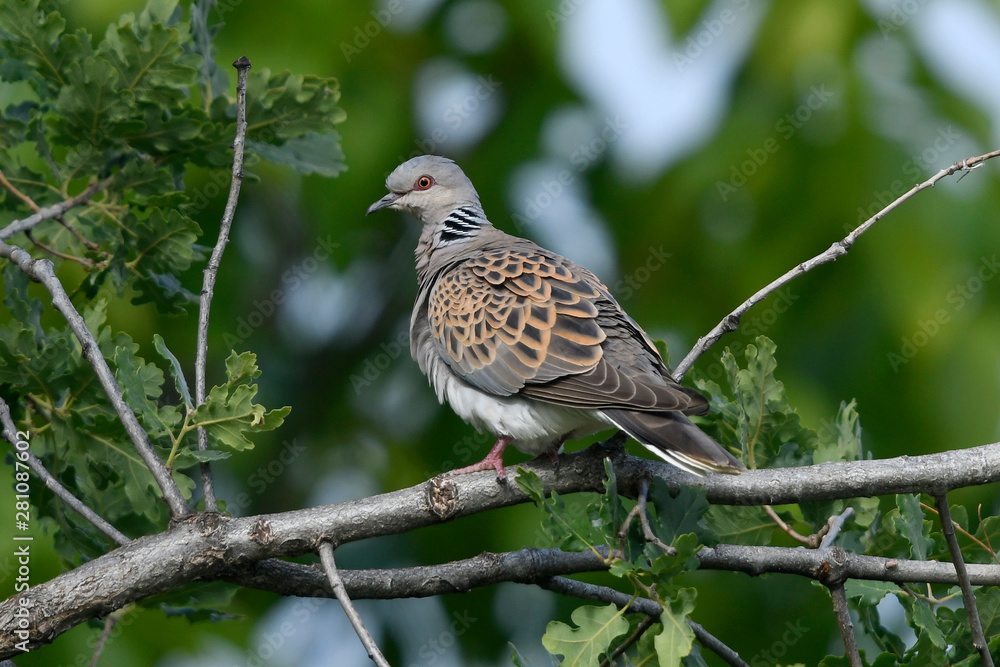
[
  {"x": 846, "y": 625},
  {"x": 975, "y": 625},
  {"x": 731, "y": 321},
  {"x": 242, "y": 66},
  {"x": 41, "y": 270},
  {"x": 10, "y": 434},
  {"x": 330, "y": 566},
  {"x": 210, "y": 546},
  {"x": 56, "y": 210}
]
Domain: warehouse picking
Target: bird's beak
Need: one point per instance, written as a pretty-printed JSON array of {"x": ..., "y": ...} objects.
[{"x": 385, "y": 202}]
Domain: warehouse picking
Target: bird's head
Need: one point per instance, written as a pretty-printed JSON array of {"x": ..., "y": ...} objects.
[{"x": 430, "y": 187}]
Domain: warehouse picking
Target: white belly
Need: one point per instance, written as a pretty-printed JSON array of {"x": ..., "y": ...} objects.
[{"x": 534, "y": 426}]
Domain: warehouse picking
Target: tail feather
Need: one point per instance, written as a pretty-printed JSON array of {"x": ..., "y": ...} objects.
[{"x": 674, "y": 438}]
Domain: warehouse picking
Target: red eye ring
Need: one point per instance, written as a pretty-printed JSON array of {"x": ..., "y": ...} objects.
[{"x": 423, "y": 183}]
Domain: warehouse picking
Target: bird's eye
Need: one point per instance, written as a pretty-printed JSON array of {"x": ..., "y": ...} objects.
[{"x": 424, "y": 182}]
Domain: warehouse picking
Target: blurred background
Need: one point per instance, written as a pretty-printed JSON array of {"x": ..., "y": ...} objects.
[{"x": 689, "y": 153}]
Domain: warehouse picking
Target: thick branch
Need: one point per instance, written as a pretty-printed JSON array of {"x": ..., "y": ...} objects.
[
  {"x": 242, "y": 66},
  {"x": 54, "y": 211},
  {"x": 41, "y": 270},
  {"x": 209, "y": 546},
  {"x": 731, "y": 321}
]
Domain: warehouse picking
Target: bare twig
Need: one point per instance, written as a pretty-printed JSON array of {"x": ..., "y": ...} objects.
[
  {"x": 732, "y": 321},
  {"x": 56, "y": 210},
  {"x": 640, "y": 510},
  {"x": 242, "y": 66},
  {"x": 41, "y": 270},
  {"x": 969, "y": 597},
  {"x": 834, "y": 526},
  {"x": 326, "y": 555},
  {"x": 109, "y": 626},
  {"x": 84, "y": 261},
  {"x": 640, "y": 630},
  {"x": 791, "y": 532},
  {"x": 958, "y": 529},
  {"x": 716, "y": 645},
  {"x": 846, "y": 625},
  {"x": 11, "y": 435},
  {"x": 28, "y": 201}
]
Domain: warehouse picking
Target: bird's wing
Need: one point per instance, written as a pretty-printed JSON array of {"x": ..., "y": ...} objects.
[
  {"x": 530, "y": 322},
  {"x": 508, "y": 317}
]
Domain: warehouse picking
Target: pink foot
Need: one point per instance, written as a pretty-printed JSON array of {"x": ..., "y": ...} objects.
[{"x": 493, "y": 460}]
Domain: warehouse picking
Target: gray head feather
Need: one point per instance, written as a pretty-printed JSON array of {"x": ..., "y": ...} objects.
[{"x": 430, "y": 200}]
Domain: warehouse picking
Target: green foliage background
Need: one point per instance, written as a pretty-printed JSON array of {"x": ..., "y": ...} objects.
[{"x": 343, "y": 439}]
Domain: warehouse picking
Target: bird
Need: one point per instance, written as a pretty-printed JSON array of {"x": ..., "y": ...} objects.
[{"x": 526, "y": 344}]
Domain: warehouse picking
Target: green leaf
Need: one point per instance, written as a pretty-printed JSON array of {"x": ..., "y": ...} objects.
[
  {"x": 583, "y": 645},
  {"x": 666, "y": 566},
  {"x": 677, "y": 637},
  {"x": 176, "y": 370},
  {"x": 868, "y": 593},
  {"x": 530, "y": 483},
  {"x": 842, "y": 442},
  {"x": 920, "y": 617},
  {"x": 149, "y": 57},
  {"x": 736, "y": 524},
  {"x": 309, "y": 154},
  {"x": 229, "y": 413},
  {"x": 909, "y": 522},
  {"x": 679, "y": 515}
]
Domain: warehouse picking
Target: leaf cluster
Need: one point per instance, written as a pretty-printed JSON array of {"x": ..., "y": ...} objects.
[
  {"x": 128, "y": 114},
  {"x": 752, "y": 415}
]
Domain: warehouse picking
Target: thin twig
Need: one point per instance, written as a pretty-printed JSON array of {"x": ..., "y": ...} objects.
[
  {"x": 640, "y": 510},
  {"x": 84, "y": 261},
  {"x": 978, "y": 639},
  {"x": 11, "y": 435},
  {"x": 109, "y": 626},
  {"x": 846, "y": 625},
  {"x": 985, "y": 546},
  {"x": 834, "y": 526},
  {"x": 28, "y": 201},
  {"x": 42, "y": 271},
  {"x": 242, "y": 66},
  {"x": 641, "y": 605},
  {"x": 792, "y": 533},
  {"x": 732, "y": 321},
  {"x": 326, "y": 555},
  {"x": 640, "y": 630},
  {"x": 56, "y": 210}
]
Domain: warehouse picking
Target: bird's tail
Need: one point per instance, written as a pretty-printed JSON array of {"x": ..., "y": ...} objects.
[{"x": 675, "y": 439}]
